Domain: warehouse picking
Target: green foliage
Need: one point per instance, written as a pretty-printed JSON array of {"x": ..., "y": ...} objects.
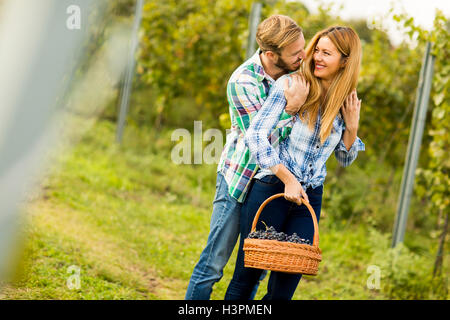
[
  {"x": 365, "y": 192},
  {"x": 189, "y": 49},
  {"x": 404, "y": 274},
  {"x": 122, "y": 7},
  {"x": 387, "y": 86}
]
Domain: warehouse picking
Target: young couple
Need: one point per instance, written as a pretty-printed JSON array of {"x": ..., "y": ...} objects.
[{"x": 284, "y": 127}]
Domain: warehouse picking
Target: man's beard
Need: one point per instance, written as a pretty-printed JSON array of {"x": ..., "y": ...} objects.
[{"x": 284, "y": 66}]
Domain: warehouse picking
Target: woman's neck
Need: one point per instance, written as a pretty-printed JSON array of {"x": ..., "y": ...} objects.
[{"x": 325, "y": 85}]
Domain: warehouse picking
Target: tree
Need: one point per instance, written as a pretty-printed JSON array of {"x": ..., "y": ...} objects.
[{"x": 189, "y": 49}]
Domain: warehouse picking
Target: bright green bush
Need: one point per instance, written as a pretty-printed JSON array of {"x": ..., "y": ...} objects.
[{"x": 404, "y": 274}]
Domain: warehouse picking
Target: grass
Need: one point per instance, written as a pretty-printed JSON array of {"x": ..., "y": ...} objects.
[{"x": 134, "y": 224}]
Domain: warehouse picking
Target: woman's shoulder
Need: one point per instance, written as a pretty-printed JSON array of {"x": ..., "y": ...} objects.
[
  {"x": 282, "y": 79},
  {"x": 280, "y": 82}
]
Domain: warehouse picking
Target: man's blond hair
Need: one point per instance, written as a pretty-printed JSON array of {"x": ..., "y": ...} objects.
[{"x": 277, "y": 32}]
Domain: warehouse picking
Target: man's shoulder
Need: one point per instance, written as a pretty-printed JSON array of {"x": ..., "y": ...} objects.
[{"x": 248, "y": 73}]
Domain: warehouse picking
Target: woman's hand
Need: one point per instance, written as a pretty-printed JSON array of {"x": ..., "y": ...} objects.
[
  {"x": 292, "y": 188},
  {"x": 350, "y": 112},
  {"x": 295, "y": 94}
]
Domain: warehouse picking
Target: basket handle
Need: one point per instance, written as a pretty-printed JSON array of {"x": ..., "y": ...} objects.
[{"x": 311, "y": 210}]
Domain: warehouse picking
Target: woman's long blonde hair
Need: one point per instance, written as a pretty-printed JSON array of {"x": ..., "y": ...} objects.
[{"x": 348, "y": 44}]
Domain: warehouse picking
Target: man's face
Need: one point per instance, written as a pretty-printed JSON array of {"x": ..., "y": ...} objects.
[{"x": 291, "y": 55}]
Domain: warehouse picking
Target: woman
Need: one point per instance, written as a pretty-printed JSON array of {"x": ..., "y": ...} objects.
[{"x": 327, "y": 122}]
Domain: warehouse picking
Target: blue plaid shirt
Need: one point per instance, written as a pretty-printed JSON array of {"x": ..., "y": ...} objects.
[{"x": 301, "y": 152}]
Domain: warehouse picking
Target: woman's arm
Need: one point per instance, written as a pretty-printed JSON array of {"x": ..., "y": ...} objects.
[
  {"x": 349, "y": 137},
  {"x": 350, "y": 113},
  {"x": 257, "y": 136},
  {"x": 243, "y": 102},
  {"x": 347, "y": 149}
]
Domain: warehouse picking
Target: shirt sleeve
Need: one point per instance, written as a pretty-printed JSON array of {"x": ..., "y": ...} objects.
[
  {"x": 261, "y": 127},
  {"x": 244, "y": 102},
  {"x": 346, "y": 157}
]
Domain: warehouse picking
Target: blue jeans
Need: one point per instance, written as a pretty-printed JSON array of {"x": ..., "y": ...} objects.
[
  {"x": 223, "y": 235},
  {"x": 284, "y": 216}
]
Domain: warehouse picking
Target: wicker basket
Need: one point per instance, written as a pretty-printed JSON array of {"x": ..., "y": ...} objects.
[{"x": 283, "y": 256}]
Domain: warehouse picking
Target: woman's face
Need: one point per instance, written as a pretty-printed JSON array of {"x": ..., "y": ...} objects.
[{"x": 327, "y": 59}]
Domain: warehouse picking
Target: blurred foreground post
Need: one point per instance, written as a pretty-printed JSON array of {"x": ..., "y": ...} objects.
[
  {"x": 40, "y": 50},
  {"x": 415, "y": 140},
  {"x": 128, "y": 82},
  {"x": 255, "y": 17}
]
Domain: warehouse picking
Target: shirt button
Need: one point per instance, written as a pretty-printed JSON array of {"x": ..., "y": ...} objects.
[{"x": 317, "y": 146}]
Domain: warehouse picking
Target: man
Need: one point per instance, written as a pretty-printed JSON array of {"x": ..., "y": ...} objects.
[{"x": 281, "y": 49}]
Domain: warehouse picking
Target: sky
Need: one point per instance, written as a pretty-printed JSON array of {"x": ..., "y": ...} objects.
[{"x": 423, "y": 11}]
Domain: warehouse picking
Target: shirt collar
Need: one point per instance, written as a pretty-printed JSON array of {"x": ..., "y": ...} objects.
[{"x": 258, "y": 67}]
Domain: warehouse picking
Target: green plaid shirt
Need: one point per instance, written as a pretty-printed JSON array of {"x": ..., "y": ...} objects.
[{"x": 247, "y": 90}]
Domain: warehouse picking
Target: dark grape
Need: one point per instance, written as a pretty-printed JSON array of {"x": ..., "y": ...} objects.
[{"x": 271, "y": 234}]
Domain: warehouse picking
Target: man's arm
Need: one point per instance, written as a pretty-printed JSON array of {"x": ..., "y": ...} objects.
[{"x": 244, "y": 102}]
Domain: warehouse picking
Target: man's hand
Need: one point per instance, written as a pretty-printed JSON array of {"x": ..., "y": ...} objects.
[{"x": 295, "y": 94}]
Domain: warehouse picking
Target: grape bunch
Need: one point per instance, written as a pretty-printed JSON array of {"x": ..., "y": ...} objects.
[{"x": 272, "y": 234}]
